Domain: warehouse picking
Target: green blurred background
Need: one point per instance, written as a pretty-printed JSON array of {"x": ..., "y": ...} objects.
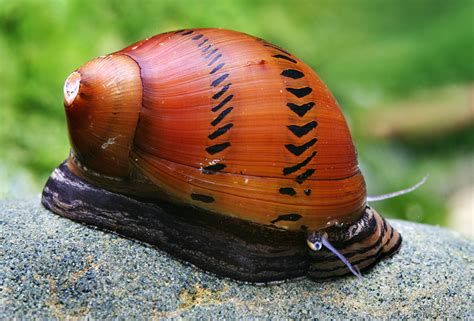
[{"x": 402, "y": 71}]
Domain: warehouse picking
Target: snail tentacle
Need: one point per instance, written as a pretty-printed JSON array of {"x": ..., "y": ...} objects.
[
  {"x": 376, "y": 198},
  {"x": 316, "y": 241}
]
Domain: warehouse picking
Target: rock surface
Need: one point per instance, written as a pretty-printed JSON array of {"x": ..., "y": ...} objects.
[{"x": 52, "y": 267}]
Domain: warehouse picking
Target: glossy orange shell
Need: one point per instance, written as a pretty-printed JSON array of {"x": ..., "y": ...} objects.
[{"x": 226, "y": 122}]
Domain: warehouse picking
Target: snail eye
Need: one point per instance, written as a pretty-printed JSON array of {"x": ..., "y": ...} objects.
[
  {"x": 317, "y": 246},
  {"x": 314, "y": 241}
]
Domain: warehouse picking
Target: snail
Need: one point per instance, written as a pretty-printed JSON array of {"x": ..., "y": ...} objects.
[{"x": 222, "y": 149}]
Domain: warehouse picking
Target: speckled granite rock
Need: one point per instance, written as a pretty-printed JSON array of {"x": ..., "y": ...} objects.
[{"x": 52, "y": 267}]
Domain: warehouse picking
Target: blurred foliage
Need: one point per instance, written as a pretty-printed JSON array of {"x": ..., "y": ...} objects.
[{"x": 370, "y": 53}]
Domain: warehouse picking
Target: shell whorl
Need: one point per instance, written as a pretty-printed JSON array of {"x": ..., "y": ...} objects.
[{"x": 102, "y": 103}]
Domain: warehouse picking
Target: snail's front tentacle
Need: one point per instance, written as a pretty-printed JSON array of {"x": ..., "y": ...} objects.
[{"x": 316, "y": 240}]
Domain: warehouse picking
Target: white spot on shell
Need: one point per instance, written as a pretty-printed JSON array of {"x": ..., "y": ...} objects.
[
  {"x": 214, "y": 161},
  {"x": 109, "y": 142}
]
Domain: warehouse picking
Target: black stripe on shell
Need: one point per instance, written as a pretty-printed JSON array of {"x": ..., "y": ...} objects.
[
  {"x": 222, "y": 103},
  {"x": 302, "y": 177},
  {"x": 217, "y": 81},
  {"x": 214, "y": 60},
  {"x": 221, "y": 116},
  {"x": 216, "y": 68},
  {"x": 292, "y": 73},
  {"x": 292, "y": 169},
  {"x": 214, "y": 149},
  {"x": 212, "y": 169},
  {"x": 285, "y": 58},
  {"x": 287, "y": 191},
  {"x": 202, "y": 198},
  {"x": 293, "y": 217},
  {"x": 220, "y": 131}
]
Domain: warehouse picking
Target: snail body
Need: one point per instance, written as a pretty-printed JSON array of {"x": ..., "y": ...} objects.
[{"x": 234, "y": 151}]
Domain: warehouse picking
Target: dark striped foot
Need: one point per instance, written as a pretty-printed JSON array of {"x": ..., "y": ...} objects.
[
  {"x": 363, "y": 244},
  {"x": 222, "y": 245}
]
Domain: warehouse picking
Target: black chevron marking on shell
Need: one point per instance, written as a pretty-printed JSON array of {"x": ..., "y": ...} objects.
[
  {"x": 307, "y": 192},
  {"x": 300, "y": 92},
  {"x": 292, "y": 73},
  {"x": 221, "y": 116},
  {"x": 300, "y": 131},
  {"x": 197, "y": 37},
  {"x": 287, "y": 191},
  {"x": 285, "y": 58},
  {"x": 202, "y": 198},
  {"x": 214, "y": 149},
  {"x": 220, "y": 131},
  {"x": 298, "y": 150},
  {"x": 292, "y": 169},
  {"x": 212, "y": 169},
  {"x": 301, "y": 110},
  {"x": 219, "y": 80},
  {"x": 293, "y": 217},
  {"x": 222, "y": 103},
  {"x": 187, "y": 32},
  {"x": 301, "y": 178}
]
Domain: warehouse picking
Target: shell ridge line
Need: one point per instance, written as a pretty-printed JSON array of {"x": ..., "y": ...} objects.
[{"x": 141, "y": 102}]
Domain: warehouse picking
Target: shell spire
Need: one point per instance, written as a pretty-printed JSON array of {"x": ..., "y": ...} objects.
[{"x": 102, "y": 100}]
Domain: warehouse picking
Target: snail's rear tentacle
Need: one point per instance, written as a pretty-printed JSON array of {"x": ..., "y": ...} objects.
[{"x": 375, "y": 198}]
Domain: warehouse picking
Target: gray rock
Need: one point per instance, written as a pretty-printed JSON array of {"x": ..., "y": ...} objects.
[{"x": 53, "y": 267}]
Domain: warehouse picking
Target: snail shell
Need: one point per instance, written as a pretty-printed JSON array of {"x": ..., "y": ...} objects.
[{"x": 231, "y": 128}]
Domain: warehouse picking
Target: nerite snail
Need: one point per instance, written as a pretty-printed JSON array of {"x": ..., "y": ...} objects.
[{"x": 225, "y": 151}]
